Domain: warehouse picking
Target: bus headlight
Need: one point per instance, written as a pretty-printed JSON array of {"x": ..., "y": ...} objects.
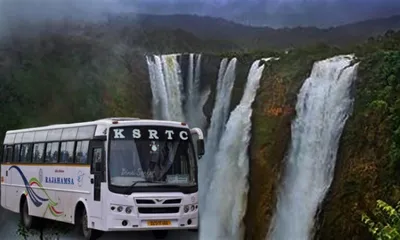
[
  {"x": 186, "y": 208},
  {"x": 191, "y": 207},
  {"x": 128, "y": 210},
  {"x": 120, "y": 208}
]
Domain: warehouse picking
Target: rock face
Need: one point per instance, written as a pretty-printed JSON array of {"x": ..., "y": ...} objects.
[
  {"x": 367, "y": 169},
  {"x": 273, "y": 112}
]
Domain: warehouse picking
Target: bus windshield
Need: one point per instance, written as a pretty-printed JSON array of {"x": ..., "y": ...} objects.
[{"x": 151, "y": 157}]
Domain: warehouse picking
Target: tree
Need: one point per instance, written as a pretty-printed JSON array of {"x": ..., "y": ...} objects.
[{"x": 386, "y": 223}]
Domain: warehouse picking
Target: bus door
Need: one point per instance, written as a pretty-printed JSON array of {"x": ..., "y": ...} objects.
[{"x": 97, "y": 169}]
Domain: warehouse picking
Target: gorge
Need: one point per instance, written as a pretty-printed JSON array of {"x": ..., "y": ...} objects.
[{"x": 250, "y": 147}]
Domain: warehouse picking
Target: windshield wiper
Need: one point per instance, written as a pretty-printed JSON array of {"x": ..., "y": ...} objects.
[
  {"x": 129, "y": 189},
  {"x": 164, "y": 184},
  {"x": 136, "y": 182},
  {"x": 141, "y": 181}
]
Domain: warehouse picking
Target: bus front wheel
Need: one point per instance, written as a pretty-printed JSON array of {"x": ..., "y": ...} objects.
[
  {"x": 86, "y": 232},
  {"x": 28, "y": 221}
]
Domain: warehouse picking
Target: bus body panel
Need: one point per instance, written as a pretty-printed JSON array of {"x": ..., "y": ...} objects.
[
  {"x": 2, "y": 189},
  {"x": 53, "y": 190},
  {"x": 59, "y": 188}
]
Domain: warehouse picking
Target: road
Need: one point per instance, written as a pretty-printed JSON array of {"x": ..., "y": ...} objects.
[{"x": 9, "y": 220}]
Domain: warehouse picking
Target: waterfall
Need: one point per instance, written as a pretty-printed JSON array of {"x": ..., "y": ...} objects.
[
  {"x": 173, "y": 86},
  {"x": 226, "y": 79},
  {"x": 224, "y": 169},
  {"x": 227, "y": 196},
  {"x": 323, "y": 106},
  {"x": 169, "y": 93},
  {"x": 160, "y": 97},
  {"x": 195, "y": 99}
]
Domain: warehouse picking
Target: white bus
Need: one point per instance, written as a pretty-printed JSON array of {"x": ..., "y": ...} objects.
[{"x": 114, "y": 174}]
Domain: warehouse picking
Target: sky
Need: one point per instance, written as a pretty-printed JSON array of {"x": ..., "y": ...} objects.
[
  {"x": 274, "y": 13},
  {"x": 277, "y": 13}
]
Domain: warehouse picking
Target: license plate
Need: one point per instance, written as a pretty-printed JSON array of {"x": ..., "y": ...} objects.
[{"x": 159, "y": 223}]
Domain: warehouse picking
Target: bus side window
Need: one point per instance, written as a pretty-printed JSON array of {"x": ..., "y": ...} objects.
[
  {"x": 26, "y": 153},
  {"x": 67, "y": 152},
  {"x": 81, "y": 153},
  {"x": 17, "y": 152},
  {"x": 51, "y": 152},
  {"x": 38, "y": 153},
  {"x": 9, "y": 153}
]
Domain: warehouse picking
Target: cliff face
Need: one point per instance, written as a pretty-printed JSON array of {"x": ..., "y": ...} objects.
[
  {"x": 274, "y": 110},
  {"x": 367, "y": 162},
  {"x": 368, "y": 159}
]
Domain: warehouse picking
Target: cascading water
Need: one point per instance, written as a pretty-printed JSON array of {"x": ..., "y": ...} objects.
[
  {"x": 168, "y": 91},
  {"x": 195, "y": 99},
  {"x": 226, "y": 79},
  {"x": 173, "y": 86},
  {"x": 323, "y": 106},
  {"x": 225, "y": 165},
  {"x": 227, "y": 197},
  {"x": 160, "y": 97}
]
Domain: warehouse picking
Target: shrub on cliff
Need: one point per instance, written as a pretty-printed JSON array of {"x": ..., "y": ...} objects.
[
  {"x": 383, "y": 79},
  {"x": 385, "y": 223}
]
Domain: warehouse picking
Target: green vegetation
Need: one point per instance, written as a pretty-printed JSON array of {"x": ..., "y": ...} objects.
[
  {"x": 364, "y": 170},
  {"x": 367, "y": 163},
  {"x": 65, "y": 79},
  {"x": 59, "y": 78},
  {"x": 387, "y": 223},
  {"x": 385, "y": 80}
]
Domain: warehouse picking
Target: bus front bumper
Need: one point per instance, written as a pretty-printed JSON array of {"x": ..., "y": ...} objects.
[{"x": 146, "y": 223}]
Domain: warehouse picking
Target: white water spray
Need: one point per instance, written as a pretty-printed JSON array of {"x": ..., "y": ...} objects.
[
  {"x": 158, "y": 89},
  {"x": 173, "y": 84},
  {"x": 168, "y": 92},
  {"x": 227, "y": 196},
  {"x": 226, "y": 79},
  {"x": 323, "y": 106},
  {"x": 195, "y": 99}
]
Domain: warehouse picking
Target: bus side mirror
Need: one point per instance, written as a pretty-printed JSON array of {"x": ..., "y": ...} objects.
[
  {"x": 197, "y": 136},
  {"x": 200, "y": 148}
]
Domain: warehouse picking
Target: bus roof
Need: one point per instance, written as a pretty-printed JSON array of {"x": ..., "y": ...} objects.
[{"x": 81, "y": 130}]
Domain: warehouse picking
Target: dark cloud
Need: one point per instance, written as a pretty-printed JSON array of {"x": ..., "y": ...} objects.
[{"x": 277, "y": 13}]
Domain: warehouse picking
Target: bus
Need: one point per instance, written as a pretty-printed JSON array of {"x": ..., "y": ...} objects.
[{"x": 113, "y": 174}]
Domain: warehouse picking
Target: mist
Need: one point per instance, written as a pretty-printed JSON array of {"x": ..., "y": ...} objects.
[{"x": 21, "y": 15}]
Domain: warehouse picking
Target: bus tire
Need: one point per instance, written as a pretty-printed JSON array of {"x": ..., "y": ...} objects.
[
  {"x": 28, "y": 221},
  {"x": 84, "y": 230},
  {"x": 160, "y": 234}
]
